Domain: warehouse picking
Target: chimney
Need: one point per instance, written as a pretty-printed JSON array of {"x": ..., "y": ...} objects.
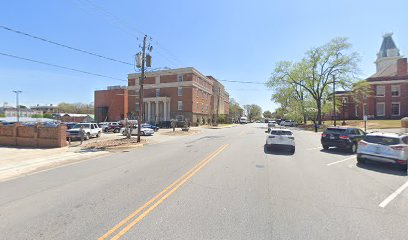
[{"x": 402, "y": 67}]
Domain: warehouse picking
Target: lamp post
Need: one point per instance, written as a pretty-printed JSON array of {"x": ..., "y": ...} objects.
[
  {"x": 344, "y": 120},
  {"x": 17, "y": 92}
]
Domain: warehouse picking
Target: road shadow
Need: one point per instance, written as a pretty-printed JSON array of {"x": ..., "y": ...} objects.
[
  {"x": 278, "y": 151},
  {"x": 338, "y": 151},
  {"x": 386, "y": 168}
]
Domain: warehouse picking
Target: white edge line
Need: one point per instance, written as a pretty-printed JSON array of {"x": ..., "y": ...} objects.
[
  {"x": 341, "y": 160},
  {"x": 393, "y": 195}
]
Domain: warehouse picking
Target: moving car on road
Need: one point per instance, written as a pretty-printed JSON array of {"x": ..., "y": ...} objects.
[
  {"x": 271, "y": 124},
  {"x": 342, "y": 137},
  {"x": 280, "y": 138},
  {"x": 384, "y": 147},
  {"x": 288, "y": 123},
  {"x": 143, "y": 131}
]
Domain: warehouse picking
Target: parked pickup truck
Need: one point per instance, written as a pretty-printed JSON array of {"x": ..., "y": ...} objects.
[{"x": 90, "y": 129}]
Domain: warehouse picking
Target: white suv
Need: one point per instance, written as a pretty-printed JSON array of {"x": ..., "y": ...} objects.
[
  {"x": 280, "y": 138},
  {"x": 384, "y": 147},
  {"x": 90, "y": 130}
]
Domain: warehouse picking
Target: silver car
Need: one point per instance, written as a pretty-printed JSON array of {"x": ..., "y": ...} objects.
[{"x": 384, "y": 147}]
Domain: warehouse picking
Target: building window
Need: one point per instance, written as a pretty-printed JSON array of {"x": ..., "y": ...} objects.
[
  {"x": 180, "y": 105},
  {"x": 365, "y": 109},
  {"x": 202, "y": 107},
  {"x": 197, "y": 92},
  {"x": 197, "y": 107},
  {"x": 180, "y": 78},
  {"x": 180, "y": 91},
  {"x": 380, "y": 91},
  {"x": 356, "y": 109},
  {"x": 157, "y": 92},
  {"x": 395, "y": 90},
  {"x": 395, "y": 109},
  {"x": 380, "y": 109}
]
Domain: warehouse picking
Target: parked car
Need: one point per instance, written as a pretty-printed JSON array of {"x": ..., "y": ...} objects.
[
  {"x": 288, "y": 123},
  {"x": 151, "y": 126},
  {"x": 342, "y": 137},
  {"x": 114, "y": 127},
  {"x": 90, "y": 129},
  {"x": 70, "y": 124},
  {"x": 143, "y": 131},
  {"x": 280, "y": 138},
  {"x": 384, "y": 147}
]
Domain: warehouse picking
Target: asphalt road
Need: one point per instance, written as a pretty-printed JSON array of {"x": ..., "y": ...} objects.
[{"x": 216, "y": 185}]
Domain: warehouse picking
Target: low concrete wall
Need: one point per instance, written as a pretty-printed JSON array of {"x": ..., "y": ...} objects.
[{"x": 33, "y": 136}]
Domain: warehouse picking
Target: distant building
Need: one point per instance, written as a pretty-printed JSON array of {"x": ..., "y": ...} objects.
[
  {"x": 389, "y": 88},
  {"x": 182, "y": 94},
  {"x": 219, "y": 100},
  {"x": 45, "y": 108},
  {"x": 111, "y": 105},
  {"x": 73, "y": 117}
]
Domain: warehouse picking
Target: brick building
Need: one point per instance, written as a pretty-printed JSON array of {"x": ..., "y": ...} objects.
[
  {"x": 219, "y": 100},
  {"x": 111, "y": 105},
  {"x": 389, "y": 88},
  {"x": 182, "y": 94}
]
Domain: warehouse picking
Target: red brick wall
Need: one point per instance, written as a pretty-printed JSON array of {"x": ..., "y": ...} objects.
[
  {"x": 117, "y": 102},
  {"x": 36, "y": 136}
]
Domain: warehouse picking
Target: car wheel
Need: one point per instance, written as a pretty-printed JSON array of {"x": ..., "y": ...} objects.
[
  {"x": 353, "y": 148},
  {"x": 87, "y": 136},
  {"x": 292, "y": 150},
  {"x": 325, "y": 147},
  {"x": 116, "y": 130},
  {"x": 142, "y": 133},
  {"x": 98, "y": 135},
  {"x": 360, "y": 159}
]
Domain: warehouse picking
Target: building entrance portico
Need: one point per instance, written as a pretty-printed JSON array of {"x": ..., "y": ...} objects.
[{"x": 156, "y": 109}]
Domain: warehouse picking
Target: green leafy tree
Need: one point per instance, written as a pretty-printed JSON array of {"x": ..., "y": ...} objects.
[
  {"x": 318, "y": 70},
  {"x": 76, "y": 108},
  {"x": 37, "y": 116},
  {"x": 267, "y": 114},
  {"x": 235, "y": 110},
  {"x": 253, "y": 112}
]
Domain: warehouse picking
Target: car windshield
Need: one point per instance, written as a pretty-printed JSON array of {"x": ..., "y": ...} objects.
[
  {"x": 281, "y": 132},
  {"x": 382, "y": 140},
  {"x": 81, "y": 124},
  {"x": 336, "y": 130}
]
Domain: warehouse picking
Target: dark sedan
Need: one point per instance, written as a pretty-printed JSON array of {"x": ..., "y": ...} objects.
[{"x": 342, "y": 137}]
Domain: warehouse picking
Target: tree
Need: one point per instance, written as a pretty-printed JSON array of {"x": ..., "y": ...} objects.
[
  {"x": 318, "y": 70},
  {"x": 253, "y": 112},
  {"x": 76, "y": 108},
  {"x": 235, "y": 110},
  {"x": 37, "y": 116},
  {"x": 267, "y": 114},
  {"x": 361, "y": 89}
]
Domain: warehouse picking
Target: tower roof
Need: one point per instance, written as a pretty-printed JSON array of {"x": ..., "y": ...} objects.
[{"x": 387, "y": 44}]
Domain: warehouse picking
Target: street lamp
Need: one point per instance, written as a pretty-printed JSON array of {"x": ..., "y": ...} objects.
[
  {"x": 17, "y": 92},
  {"x": 344, "y": 101}
]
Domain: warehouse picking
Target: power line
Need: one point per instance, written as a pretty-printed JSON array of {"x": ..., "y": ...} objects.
[
  {"x": 59, "y": 66},
  {"x": 63, "y": 45},
  {"x": 114, "y": 20},
  {"x": 233, "y": 81}
]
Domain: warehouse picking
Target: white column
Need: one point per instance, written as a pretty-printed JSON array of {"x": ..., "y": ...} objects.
[
  {"x": 148, "y": 111},
  {"x": 165, "y": 110},
  {"x": 168, "y": 110},
  {"x": 157, "y": 111}
]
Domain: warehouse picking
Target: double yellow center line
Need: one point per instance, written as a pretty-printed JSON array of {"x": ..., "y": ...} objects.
[{"x": 126, "y": 224}]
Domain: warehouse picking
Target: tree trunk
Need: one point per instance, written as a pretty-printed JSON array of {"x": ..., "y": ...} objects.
[{"x": 319, "y": 111}]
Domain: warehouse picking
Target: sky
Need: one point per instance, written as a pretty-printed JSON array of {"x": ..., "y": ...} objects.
[{"x": 231, "y": 40}]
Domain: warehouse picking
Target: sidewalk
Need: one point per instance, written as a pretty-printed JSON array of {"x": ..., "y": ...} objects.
[{"x": 18, "y": 161}]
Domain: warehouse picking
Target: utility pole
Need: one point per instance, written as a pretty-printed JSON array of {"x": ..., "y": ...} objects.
[
  {"x": 17, "y": 92},
  {"x": 142, "y": 77},
  {"x": 218, "y": 102},
  {"x": 334, "y": 99}
]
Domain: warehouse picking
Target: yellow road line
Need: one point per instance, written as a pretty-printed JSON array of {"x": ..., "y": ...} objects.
[{"x": 187, "y": 176}]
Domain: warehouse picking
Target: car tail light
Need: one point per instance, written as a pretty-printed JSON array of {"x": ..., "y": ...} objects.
[
  {"x": 362, "y": 143},
  {"x": 401, "y": 161},
  {"x": 324, "y": 134},
  {"x": 344, "y": 137},
  {"x": 399, "y": 148}
]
